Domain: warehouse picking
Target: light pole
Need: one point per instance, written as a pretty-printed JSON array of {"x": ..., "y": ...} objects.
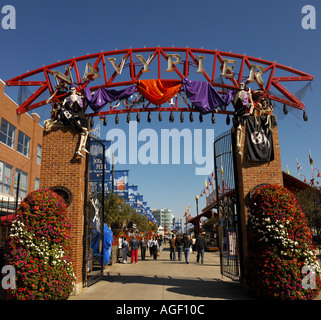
[
  {"x": 305, "y": 179},
  {"x": 112, "y": 173},
  {"x": 319, "y": 175},
  {"x": 198, "y": 223},
  {"x": 312, "y": 182}
]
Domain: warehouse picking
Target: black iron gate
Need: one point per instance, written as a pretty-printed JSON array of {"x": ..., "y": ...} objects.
[
  {"x": 94, "y": 213},
  {"x": 226, "y": 206}
]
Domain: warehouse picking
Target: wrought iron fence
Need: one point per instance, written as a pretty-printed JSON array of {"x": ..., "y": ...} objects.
[
  {"x": 94, "y": 211},
  {"x": 224, "y": 168},
  {"x": 8, "y": 206},
  {"x": 226, "y": 206}
]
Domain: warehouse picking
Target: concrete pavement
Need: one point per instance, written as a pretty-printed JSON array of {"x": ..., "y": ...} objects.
[{"x": 164, "y": 279}]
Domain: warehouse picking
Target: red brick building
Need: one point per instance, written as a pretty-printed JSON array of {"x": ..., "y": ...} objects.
[{"x": 20, "y": 148}]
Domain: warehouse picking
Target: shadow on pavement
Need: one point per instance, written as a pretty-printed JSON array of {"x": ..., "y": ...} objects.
[{"x": 197, "y": 288}]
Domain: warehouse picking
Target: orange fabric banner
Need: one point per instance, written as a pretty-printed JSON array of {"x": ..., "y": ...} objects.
[{"x": 156, "y": 91}]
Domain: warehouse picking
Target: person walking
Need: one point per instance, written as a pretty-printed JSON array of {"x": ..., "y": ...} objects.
[
  {"x": 186, "y": 247},
  {"x": 134, "y": 245},
  {"x": 160, "y": 242},
  {"x": 150, "y": 243},
  {"x": 155, "y": 248},
  {"x": 125, "y": 250},
  {"x": 172, "y": 248},
  {"x": 179, "y": 247},
  {"x": 143, "y": 245},
  {"x": 200, "y": 247},
  {"x": 194, "y": 244}
]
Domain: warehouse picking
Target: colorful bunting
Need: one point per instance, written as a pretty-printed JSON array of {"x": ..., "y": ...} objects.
[{"x": 157, "y": 91}]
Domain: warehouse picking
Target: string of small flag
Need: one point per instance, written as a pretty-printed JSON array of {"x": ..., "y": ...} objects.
[
  {"x": 209, "y": 181},
  {"x": 187, "y": 212},
  {"x": 299, "y": 167}
]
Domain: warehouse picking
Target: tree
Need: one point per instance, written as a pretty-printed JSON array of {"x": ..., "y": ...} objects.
[
  {"x": 310, "y": 203},
  {"x": 142, "y": 223},
  {"x": 116, "y": 212},
  {"x": 209, "y": 224}
]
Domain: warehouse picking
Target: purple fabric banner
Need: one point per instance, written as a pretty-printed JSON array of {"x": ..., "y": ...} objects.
[
  {"x": 203, "y": 95},
  {"x": 103, "y": 95}
]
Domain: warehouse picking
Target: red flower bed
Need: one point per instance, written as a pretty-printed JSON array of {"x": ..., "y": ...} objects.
[
  {"x": 280, "y": 249},
  {"x": 39, "y": 248}
]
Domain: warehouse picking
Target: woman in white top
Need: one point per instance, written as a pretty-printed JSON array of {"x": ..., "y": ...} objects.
[{"x": 155, "y": 248}]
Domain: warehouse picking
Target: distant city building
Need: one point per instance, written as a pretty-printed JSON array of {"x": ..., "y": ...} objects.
[{"x": 164, "y": 217}]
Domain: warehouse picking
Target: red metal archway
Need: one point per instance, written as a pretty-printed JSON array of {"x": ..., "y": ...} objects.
[{"x": 122, "y": 68}]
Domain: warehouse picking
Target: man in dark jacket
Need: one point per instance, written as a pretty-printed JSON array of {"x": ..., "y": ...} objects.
[
  {"x": 172, "y": 248},
  {"x": 186, "y": 247},
  {"x": 134, "y": 245},
  {"x": 179, "y": 247},
  {"x": 143, "y": 245},
  {"x": 200, "y": 247}
]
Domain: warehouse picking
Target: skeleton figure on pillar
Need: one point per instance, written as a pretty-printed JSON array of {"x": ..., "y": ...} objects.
[
  {"x": 243, "y": 105},
  {"x": 73, "y": 113}
]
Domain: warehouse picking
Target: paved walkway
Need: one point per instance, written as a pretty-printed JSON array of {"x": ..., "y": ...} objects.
[{"x": 165, "y": 280}]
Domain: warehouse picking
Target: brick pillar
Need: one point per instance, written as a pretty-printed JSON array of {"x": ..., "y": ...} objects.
[
  {"x": 250, "y": 174},
  {"x": 59, "y": 167}
]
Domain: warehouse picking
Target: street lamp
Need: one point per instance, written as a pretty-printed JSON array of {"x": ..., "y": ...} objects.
[
  {"x": 312, "y": 180},
  {"x": 305, "y": 179},
  {"x": 198, "y": 223},
  {"x": 319, "y": 175}
]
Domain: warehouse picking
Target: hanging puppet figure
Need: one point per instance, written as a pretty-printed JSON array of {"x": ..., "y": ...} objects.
[
  {"x": 265, "y": 109},
  {"x": 243, "y": 105},
  {"x": 58, "y": 96},
  {"x": 73, "y": 105}
]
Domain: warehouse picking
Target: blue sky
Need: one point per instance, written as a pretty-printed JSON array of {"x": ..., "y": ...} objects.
[{"x": 48, "y": 31}]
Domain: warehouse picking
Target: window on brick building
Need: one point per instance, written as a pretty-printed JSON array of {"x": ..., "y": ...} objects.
[
  {"x": 23, "y": 185},
  {"x": 23, "y": 145},
  {"x": 7, "y": 133},
  {"x": 37, "y": 183},
  {"x": 39, "y": 151},
  {"x": 5, "y": 178}
]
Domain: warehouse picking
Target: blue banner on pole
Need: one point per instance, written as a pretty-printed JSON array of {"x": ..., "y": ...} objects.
[
  {"x": 121, "y": 183},
  {"x": 96, "y": 160}
]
